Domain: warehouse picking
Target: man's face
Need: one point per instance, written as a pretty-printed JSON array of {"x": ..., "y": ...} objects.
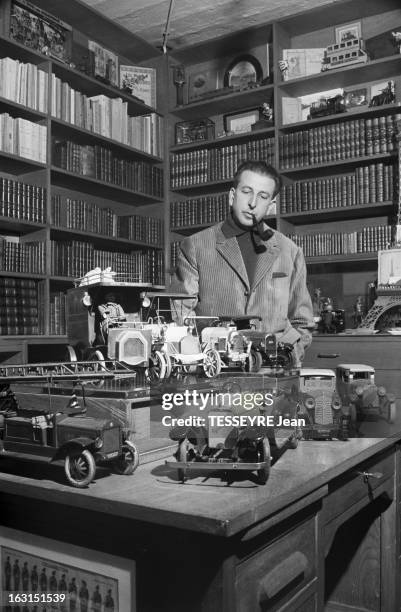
[{"x": 252, "y": 197}]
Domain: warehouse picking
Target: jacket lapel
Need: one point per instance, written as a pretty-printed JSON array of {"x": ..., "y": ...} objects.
[
  {"x": 230, "y": 251},
  {"x": 266, "y": 260}
]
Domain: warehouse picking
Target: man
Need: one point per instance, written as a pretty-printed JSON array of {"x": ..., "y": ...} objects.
[
  {"x": 242, "y": 267},
  {"x": 109, "y": 314}
]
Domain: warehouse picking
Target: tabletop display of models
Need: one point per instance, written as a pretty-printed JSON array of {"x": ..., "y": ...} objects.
[{"x": 46, "y": 433}]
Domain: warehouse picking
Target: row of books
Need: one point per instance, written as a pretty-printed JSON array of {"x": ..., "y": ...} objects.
[
  {"x": 75, "y": 258},
  {"x": 369, "y": 239},
  {"x": 24, "y": 83},
  {"x": 22, "y": 200},
  {"x": 22, "y": 137},
  {"x": 367, "y": 184},
  {"x": 174, "y": 248},
  {"x": 16, "y": 256},
  {"x": 107, "y": 117},
  {"x": 338, "y": 141},
  {"x": 217, "y": 163},
  {"x": 90, "y": 217},
  {"x": 19, "y": 311},
  {"x": 101, "y": 163},
  {"x": 58, "y": 322},
  {"x": 199, "y": 211}
]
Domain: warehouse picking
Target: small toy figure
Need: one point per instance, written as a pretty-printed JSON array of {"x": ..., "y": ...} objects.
[
  {"x": 96, "y": 600},
  {"x": 34, "y": 579},
  {"x": 328, "y": 318},
  {"x": 8, "y": 573},
  {"x": 109, "y": 602},
  {"x": 317, "y": 302},
  {"x": 358, "y": 311},
  {"x": 84, "y": 597},
  {"x": 111, "y": 313},
  {"x": 397, "y": 40},
  {"x": 283, "y": 65}
]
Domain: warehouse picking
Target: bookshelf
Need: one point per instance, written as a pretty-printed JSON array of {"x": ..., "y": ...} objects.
[
  {"x": 81, "y": 180},
  {"x": 339, "y": 170}
]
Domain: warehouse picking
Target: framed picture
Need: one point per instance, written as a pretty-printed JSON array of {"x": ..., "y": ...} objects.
[
  {"x": 350, "y": 31},
  {"x": 140, "y": 82},
  {"x": 201, "y": 83},
  {"x": 192, "y": 131},
  {"x": 78, "y": 578},
  {"x": 37, "y": 29},
  {"x": 240, "y": 123},
  {"x": 104, "y": 63},
  {"x": 243, "y": 71}
]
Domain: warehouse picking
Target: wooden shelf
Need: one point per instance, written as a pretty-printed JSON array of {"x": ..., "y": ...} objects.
[
  {"x": 23, "y": 275},
  {"x": 187, "y": 230},
  {"x": 373, "y": 111},
  {"x": 338, "y": 164},
  {"x": 225, "y": 104},
  {"x": 100, "y": 188},
  {"x": 16, "y": 50},
  {"x": 200, "y": 188},
  {"x": 221, "y": 142},
  {"x": 100, "y": 239},
  {"x": 347, "y": 259},
  {"x": 348, "y": 76},
  {"x": 374, "y": 209},
  {"x": 20, "y": 110},
  {"x": 19, "y": 165},
  {"x": 20, "y": 226},
  {"x": 91, "y": 86},
  {"x": 63, "y": 129}
]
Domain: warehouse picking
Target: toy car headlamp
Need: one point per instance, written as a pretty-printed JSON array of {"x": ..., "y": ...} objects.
[
  {"x": 310, "y": 403},
  {"x": 336, "y": 404},
  {"x": 381, "y": 391},
  {"x": 98, "y": 442},
  {"x": 359, "y": 391}
]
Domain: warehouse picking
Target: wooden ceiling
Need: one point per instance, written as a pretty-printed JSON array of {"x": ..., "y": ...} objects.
[{"x": 195, "y": 21}]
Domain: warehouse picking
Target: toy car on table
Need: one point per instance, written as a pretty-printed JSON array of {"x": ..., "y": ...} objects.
[
  {"x": 233, "y": 346},
  {"x": 221, "y": 445},
  {"x": 357, "y": 389},
  {"x": 320, "y": 406},
  {"x": 66, "y": 434}
]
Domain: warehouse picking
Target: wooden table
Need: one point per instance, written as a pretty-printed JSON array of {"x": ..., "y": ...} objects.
[{"x": 319, "y": 535}]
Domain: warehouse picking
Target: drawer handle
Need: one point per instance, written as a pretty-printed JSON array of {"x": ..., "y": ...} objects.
[
  {"x": 328, "y": 355},
  {"x": 367, "y": 475},
  {"x": 282, "y": 575}
]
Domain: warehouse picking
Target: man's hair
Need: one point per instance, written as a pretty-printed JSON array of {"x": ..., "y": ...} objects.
[{"x": 261, "y": 167}]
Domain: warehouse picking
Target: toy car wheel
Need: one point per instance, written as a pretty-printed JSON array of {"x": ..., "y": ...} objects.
[
  {"x": 212, "y": 363},
  {"x": 254, "y": 362},
  {"x": 80, "y": 468},
  {"x": 99, "y": 365},
  {"x": 182, "y": 455},
  {"x": 264, "y": 455},
  {"x": 157, "y": 367},
  {"x": 392, "y": 412},
  {"x": 71, "y": 354},
  {"x": 128, "y": 461}
]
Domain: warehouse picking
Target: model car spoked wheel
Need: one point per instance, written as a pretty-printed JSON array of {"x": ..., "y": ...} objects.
[
  {"x": 71, "y": 354},
  {"x": 182, "y": 455},
  {"x": 264, "y": 455},
  {"x": 169, "y": 365},
  {"x": 212, "y": 363},
  {"x": 80, "y": 468},
  {"x": 254, "y": 362},
  {"x": 157, "y": 366},
  {"x": 392, "y": 412},
  {"x": 99, "y": 365},
  {"x": 128, "y": 461}
]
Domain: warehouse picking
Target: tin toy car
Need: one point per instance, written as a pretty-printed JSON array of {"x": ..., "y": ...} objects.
[
  {"x": 179, "y": 345},
  {"x": 270, "y": 352},
  {"x": 357, "y": 389},
  {"x": 230, "y": 441},
  {"x": 65, "y": 434},
  {"x": 320, "y": 406}
]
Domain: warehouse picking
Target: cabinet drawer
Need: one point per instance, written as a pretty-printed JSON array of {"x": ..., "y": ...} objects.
[
  {"x": 347, "y": 491},
  {"x": 327, "y": 352},
  {"x": 273, "y": 575}
]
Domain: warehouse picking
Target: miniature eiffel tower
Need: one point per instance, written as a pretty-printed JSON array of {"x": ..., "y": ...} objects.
[{"x": 388, "y": 294}]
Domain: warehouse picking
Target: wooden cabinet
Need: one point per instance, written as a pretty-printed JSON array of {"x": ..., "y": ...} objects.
[{"x": 321, "y": 535}]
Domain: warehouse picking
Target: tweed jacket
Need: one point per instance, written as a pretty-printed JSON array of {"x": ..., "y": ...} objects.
[{"x": 211, "y": 266}]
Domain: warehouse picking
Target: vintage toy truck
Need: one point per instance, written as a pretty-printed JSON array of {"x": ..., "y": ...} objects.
[
  {"x": 320, "y": 406},
  {"x": 357, "y": 389},
  {"x": 40, "y": 433}
]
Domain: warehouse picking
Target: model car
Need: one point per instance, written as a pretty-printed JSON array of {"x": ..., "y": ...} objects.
[
  {"x": 220, "y": 447},
  {"x": 64, "y": 435},
  {"x": 320, "y": 406},
  {"x": 135, "y": 339},
  {"x": 357, "y": 389},
  {"x": 232, "y": 345},
  {"x": 270, "y": 352}
]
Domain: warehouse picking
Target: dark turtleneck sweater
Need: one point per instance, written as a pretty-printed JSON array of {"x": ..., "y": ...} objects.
[{"x": 251, "y": 242}]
